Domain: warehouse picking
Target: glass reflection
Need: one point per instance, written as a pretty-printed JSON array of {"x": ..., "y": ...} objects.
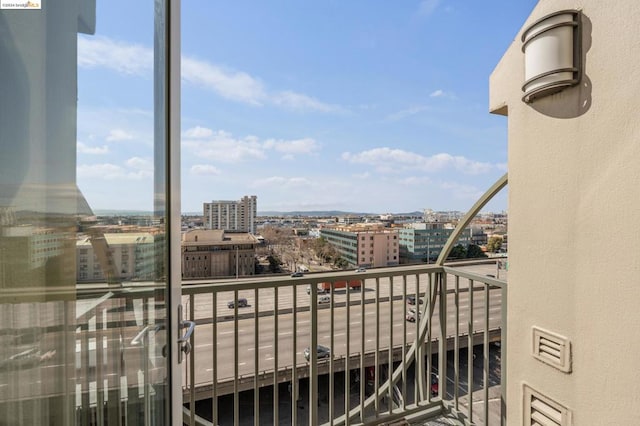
[{"x": 81, "y": 294}]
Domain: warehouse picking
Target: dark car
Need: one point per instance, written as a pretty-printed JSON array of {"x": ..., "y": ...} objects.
[
  {"x": 411, "y": 299},
  {"x": 297, "y": 274},
  {"x": 434, "y": 384},
  {"x": 242, "y": 302},
  {"x": 323, "y": 352}
]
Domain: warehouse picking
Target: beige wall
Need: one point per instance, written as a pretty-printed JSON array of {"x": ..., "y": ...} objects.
[{"x": 574, "y": 172}]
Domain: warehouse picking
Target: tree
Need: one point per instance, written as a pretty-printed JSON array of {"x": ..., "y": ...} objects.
[
  {"x": 457, "y": 252},
  {"x": 274, "y": 263},
  {"x": 341, "y": 263},
  {"x": 494, "y": 244},
  {"x": 474, "y": 251}
]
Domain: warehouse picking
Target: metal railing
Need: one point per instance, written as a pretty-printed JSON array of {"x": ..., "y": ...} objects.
[{"x": 379, "y": 359}]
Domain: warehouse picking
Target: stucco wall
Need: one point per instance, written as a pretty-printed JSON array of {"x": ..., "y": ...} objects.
[{"x": 574, "y": 219}]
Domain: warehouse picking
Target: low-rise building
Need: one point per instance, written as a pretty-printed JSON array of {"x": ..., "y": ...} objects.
[
  {"x": 215, "y": 253},
  {"x": 369, "y": 246}
]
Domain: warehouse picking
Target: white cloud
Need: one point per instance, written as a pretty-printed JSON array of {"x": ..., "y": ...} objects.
[
  {"x": 416, "y": 180},
  {"x": 105, "y": 171},
  {"x": 125, "y": 58},
  {"x": 281, "y": 182},
  {"x": 439, "y": 93},
  {"x": 234, "y": 85},
  {"x": 204, "y": 170},
  {"x": 136, "y": 169},
  {"x": 462, "y": 191},
  {"x": 116, "y": 135},
  {"x": 388, "y": 160},
  {"x": 298, "y": 146},
  {"x": 365, "y": 175},
  {"x": 224, "y": 147},
  {"x": 298, "y": 101},
  {"x": 140, "y": 163},
  {"x": 427, "y": 7},
  {"x": 407, "y": 112},
  {"x": 94, "y": 150},
  {"x": 221, "y": 146},
  {"x": 238, "y": 86},
  {"x": 198, "y": 132}
]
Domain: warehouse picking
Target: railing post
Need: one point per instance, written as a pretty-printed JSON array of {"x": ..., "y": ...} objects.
[
  {"x": 442, "y": 347},
  {"x": 503, "y": 357},
  {"x": 313, "y": 358}
]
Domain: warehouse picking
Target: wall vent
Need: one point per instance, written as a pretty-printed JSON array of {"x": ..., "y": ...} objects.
[
  {"x": 552, "y": 349},
  {"x": 540, "y": 410}
]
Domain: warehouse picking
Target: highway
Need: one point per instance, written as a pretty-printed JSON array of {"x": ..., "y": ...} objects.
[{"x": 266, "y": 335}]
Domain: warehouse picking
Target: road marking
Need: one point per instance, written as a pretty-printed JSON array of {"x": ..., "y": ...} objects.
[
  {"x": 338, "y": 334},
  {"x": 269, "y": 359},
  {"x": 303, "y": 322},
  {"x": 284, "y": 333},
  {"x": 226, "y": 332},
  {"x": 260, "y": 347}
]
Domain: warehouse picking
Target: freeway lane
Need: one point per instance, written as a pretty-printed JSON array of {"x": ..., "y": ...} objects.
[
  {"x": 203, "y": 309},
  {"x": 265, "y": 345}
]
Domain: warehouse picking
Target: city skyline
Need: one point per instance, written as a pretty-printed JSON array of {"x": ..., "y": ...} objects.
[{"x": 362, "y": 107}]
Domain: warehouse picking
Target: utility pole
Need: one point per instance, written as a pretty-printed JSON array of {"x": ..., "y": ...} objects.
[{"x": 236, "y": 262}]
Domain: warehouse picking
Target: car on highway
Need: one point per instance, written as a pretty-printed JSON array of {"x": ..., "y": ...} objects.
[
  {"x": 411, "y": 316},
  {"x": 434, "y": 384},
  {"x": 324, "y": 299},
  {"x": 322, "y": 351},
  {"x": 411, "y": 300},
  {"x": 361, "y": 269},
  {"x": 242, "y": 302},
  {"x": 297, "y": 274}
]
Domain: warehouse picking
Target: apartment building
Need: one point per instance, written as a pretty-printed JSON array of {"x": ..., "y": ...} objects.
[
  {"x": 365, "y": 245},
  {"x": 216, "y": 253},
  {"x": 232, "y": 215},
  {"x": 421, "y": 240}
]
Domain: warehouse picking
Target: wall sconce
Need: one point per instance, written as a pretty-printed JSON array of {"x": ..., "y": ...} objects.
[{"x": 552, "y": 48}]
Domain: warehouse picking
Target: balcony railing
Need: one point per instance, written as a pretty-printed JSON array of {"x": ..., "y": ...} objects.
[{"x": 379, "y": 358}]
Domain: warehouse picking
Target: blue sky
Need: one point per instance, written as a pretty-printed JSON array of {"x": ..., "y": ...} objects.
[{"x": 370, "y": 106}]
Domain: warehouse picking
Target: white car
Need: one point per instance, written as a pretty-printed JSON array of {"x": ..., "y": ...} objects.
[{"x": 324, "y": 299}]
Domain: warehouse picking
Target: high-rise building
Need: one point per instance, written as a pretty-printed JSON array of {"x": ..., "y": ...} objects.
[{"x": 232, "y": 215}]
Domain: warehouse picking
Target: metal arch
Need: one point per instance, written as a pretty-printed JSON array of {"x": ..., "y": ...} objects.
[
  {"x": 466, "y": 220},
  {"x": 425, "y": 321}
]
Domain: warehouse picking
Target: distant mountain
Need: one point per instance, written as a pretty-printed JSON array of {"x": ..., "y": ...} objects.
[
  {"x": 328, "y": 213},
  {"x": 104, "y": 212},
  {"x": 331, "y": 213}
]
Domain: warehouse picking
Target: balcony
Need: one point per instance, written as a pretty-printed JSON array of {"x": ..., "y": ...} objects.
[{"x": 396, "y": 363}]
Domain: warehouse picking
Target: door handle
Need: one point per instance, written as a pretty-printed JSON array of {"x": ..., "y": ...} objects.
[{"x": 184, "y": 345}]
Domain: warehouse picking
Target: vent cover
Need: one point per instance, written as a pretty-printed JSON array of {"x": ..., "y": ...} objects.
[
  {"x": 540, "y": 410},
  {"x": 552, "y": 349}
]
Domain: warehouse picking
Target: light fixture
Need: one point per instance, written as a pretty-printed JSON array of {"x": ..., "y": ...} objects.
[{"x": 552, "y": 54}]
